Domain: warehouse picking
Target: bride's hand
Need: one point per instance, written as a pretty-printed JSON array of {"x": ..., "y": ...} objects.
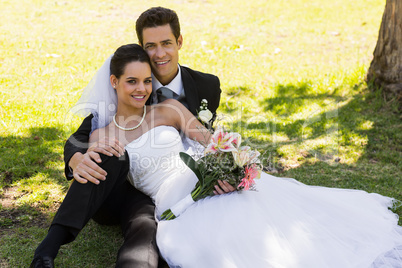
[
  {"x": 108, "y": 146},
  {"x": 223, "y": 188}
]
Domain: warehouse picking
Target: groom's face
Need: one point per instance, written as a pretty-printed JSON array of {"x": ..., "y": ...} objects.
[{"x": 163, "y": 49}]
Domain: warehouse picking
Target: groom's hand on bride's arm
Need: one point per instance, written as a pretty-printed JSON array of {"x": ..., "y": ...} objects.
[
  {"x": 85, "y": 166},
  {"x": 223, "y": 187}
]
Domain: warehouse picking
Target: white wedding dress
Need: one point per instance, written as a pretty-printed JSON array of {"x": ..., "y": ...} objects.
[{"x": 284, "y": 223}]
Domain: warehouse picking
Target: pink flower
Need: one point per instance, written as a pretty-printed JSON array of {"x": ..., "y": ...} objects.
[
  {"x": 250, "y": 174},
  {"x": 223, "y": 141}
]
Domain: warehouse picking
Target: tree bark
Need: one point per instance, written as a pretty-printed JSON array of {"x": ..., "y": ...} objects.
[{"x": 386, "y": 67}]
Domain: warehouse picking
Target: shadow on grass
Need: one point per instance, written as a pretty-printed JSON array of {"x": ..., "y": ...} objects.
[
  {"x": 96, "y": 246},
  {"x": 32, "y": 162},
  {"x": 26, "y": 164},
  {"x": 290, "y": 98},
  {"x": 24, "y": 156}
]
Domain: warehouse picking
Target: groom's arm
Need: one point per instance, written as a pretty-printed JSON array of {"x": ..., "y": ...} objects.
[
  {"x": 215, "y": 97},
  {"x": 210, "y": 89},
  {"x": 77, "y": 143},
  {"x": 213, "y": 105},
  {"x": 81, "y": 160}
]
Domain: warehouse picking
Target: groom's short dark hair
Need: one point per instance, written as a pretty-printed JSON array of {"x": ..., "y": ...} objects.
[{"x": 157, "y": 16}]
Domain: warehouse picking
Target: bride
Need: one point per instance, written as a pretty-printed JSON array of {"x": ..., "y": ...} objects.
[{"x": 284, "y": 223}]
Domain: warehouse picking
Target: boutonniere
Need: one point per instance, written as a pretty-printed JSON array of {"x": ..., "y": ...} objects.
[{"x": 204, "y": 114}]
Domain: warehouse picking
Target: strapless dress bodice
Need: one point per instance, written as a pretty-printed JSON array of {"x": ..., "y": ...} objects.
[{"x": 156, "y": 168}]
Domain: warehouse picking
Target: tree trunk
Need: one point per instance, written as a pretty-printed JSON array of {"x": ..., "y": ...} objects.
[{"x": 386, "y": 67}]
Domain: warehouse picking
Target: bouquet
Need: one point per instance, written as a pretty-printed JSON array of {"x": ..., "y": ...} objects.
[{"x": 224, "y": 159}]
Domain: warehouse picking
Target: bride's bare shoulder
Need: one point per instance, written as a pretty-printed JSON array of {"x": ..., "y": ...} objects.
[
  {"x": 99, "y": 134},
  {"x": 169, "y": 104},
  {"x": 168, "y": 112}
]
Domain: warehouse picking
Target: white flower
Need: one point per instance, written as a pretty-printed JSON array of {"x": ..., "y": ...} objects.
[
  {"x": 204, "y": 104},
  {"x": 245, "y": 156},
  {"x": 205, "y": 115}
]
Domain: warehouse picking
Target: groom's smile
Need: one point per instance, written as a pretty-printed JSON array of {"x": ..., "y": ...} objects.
[
  {"x": 161, "y": 62},
  {"x": 163, "y": 50}
]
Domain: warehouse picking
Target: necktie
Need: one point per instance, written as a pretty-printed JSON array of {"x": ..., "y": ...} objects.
[{"x": 164, "y": 93}]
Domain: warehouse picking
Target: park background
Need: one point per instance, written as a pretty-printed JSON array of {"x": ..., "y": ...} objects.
[{"x": 293, "y": 80}]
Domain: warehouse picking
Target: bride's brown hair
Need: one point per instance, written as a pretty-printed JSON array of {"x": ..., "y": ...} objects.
[{"x": 126, "y": 54}]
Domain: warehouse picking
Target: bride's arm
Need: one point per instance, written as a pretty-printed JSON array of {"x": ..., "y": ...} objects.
[
  {"x": 95, "y": 135},
  {"x": 101, "y": 142},
  {"x": 180, "y": 117}
]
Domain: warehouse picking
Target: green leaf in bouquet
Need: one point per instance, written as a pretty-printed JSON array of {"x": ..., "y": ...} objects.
[
  {"x": 168, "y": 215},
  {"x": 192, "y": 164}
]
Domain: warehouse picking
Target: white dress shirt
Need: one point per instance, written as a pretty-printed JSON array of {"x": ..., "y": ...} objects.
[{"x": 176, "y": 85}]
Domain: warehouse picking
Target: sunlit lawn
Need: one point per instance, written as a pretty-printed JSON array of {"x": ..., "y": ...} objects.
[{"x": 292, "y": 75}]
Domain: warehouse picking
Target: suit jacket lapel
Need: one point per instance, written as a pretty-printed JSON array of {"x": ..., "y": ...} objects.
[{"x": 190, "y": 90}]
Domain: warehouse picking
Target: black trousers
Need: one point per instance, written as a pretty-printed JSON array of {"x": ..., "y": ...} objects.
[{"x": 114, "y": 201}]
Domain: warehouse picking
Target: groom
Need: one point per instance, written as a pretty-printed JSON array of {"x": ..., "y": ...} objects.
[{"x": 114, "y": 200}]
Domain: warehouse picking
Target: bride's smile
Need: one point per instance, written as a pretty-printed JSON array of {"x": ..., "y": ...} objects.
[{"x": 138, "y": 97}]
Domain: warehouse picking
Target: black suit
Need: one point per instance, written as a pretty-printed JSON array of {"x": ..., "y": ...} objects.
[{"x": 115, "y": 200}]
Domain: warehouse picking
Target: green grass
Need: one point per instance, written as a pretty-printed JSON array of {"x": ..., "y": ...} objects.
[{"x": 292, "y": 75}]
